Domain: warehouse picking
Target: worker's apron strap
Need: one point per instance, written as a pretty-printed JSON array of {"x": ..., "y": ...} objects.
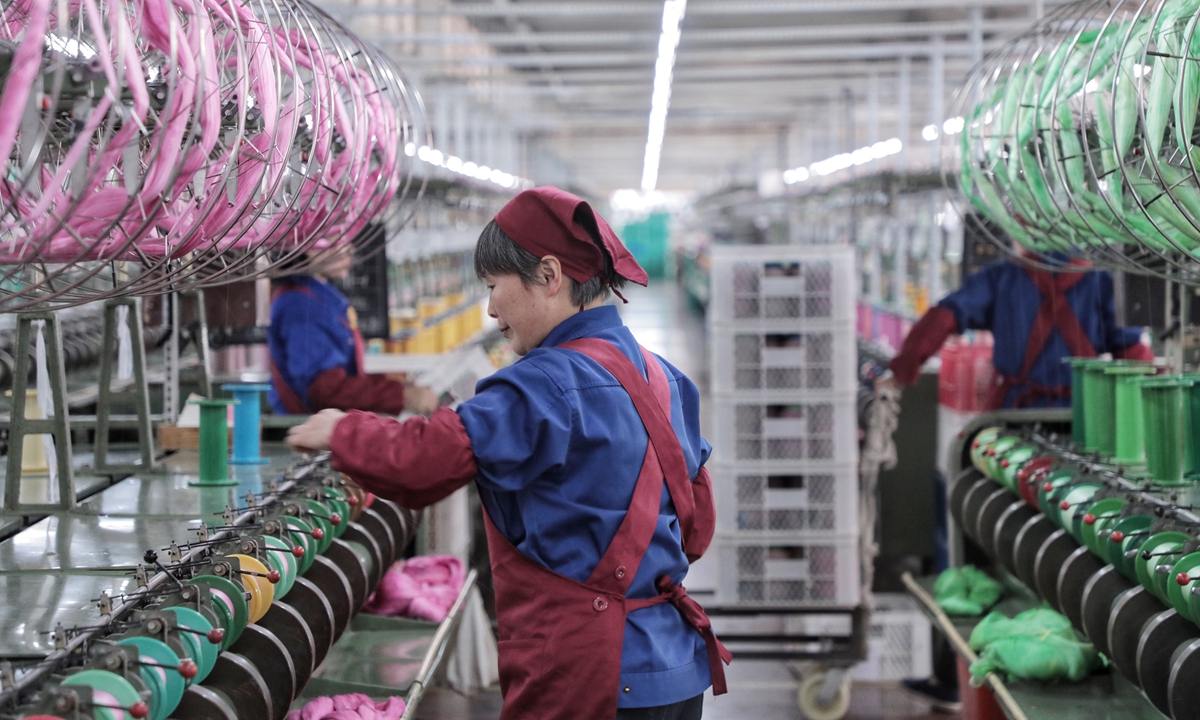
[
  {"x": 672, "y": 592},
  {"x": 1054, "y": 313}
]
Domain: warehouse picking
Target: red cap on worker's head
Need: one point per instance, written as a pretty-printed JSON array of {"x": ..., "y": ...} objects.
[{"x": 548, "y": 221}]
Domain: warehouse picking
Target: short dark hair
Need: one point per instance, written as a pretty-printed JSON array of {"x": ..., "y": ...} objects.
[{"x": 498, "y": 254}]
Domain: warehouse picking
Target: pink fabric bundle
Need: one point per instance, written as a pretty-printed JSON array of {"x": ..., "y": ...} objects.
[
  {"x": 355, "y": 706},
  {"x": 422, "y": 587}
]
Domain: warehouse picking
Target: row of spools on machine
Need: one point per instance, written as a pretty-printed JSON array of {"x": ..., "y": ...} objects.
[
  {"x": 1097, "y": 527},
  {"x": 237, "y": 630}
]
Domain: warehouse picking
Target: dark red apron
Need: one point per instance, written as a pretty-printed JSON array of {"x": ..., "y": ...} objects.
[
  {"x": 1054, "y": 312},
  {"x": 561, "y": 640}
]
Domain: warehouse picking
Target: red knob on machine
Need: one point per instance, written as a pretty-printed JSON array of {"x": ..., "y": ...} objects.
[
  {"x": 975, "y": 445},
  {"x": 318, "y": 533},
  {"x": 352, "y": 501},
  {"x": 962, "y": 433},
  {"x": 1118, "y": 536},
  {"x": 1182, "y": 579},
  {"x": 335, "y": 519},
  {"x": 298, "y": 551},
  {"x": 273, "y": 577},
  {"x": 188, "y": 669},
  {"x": 1022, "y": 474},
  {"x": 216, "y": 636},
  {"x": 1004, "y": 463},
  {"x": 139, "y": 710},
  {"x": 1064, "y": 505},
  {"x": 991, "y": 452},
  {"x": 1089, "y": 519},
  {"x": 1048, "y": 487}
]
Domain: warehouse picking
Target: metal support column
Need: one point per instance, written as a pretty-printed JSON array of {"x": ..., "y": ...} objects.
[
  {"x": 203, "y": 354},
  {"x": 57, "y": 426},
  {"x": 139, "y": 392},
  {"x": 904, "y": 109}
]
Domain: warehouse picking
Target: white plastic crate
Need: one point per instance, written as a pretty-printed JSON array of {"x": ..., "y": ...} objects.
[
  {"x": 806, "y": 498},
  {"x": 745, "y": 358},
  {"x": 783, "y": 572},
  {"x": 784, "y": 428},
  {"x": 899, "y": 644},
  {"x": 783, "y": 284}
]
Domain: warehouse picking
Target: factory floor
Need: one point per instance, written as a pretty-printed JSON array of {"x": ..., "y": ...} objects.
[{"x": 661, "y": 320}]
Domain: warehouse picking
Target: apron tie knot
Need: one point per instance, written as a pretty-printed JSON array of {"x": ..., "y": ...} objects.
[{"x": 676, "y": 594}]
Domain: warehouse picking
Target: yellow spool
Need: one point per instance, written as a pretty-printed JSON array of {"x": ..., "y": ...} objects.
[
  {"x": 33, "y": 455},
  {"x": 262, "y": 591}
]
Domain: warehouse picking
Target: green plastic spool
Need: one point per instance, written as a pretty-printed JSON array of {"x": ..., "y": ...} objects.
[
  {"x": 1191, "y": 401},
  {"x": 214, "y": 444},
  {"x": 1078, "y": 397},
  {"x": 1165, "y": 428},
  {"x": 1099, "y": 402},
  {"x": 1129, "y": 444}
]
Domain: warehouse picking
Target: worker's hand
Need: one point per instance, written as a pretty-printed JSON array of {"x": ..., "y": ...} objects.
[
  {"x": 419, "y": 400},
  {"x": 315, "y": 435},
  {"x": 887, "y": 384}
]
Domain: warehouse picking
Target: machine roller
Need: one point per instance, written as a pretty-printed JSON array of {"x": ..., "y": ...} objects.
[
  {"x": 231, "y": 622},
  {"x": 1117, "y": 557}
]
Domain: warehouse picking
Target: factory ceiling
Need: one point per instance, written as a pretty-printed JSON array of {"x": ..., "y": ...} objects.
[{"x": 566, "y": 86}]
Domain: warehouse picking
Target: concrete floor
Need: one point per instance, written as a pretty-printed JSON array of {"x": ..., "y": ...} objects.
[{"x": 758, "y": 689}]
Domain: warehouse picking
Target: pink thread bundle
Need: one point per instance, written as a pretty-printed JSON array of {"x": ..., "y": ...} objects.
[
  {"x": 152, "y": 131},
  {"x": 355, "y": 706},
  {"x": 422, "y": 587}
]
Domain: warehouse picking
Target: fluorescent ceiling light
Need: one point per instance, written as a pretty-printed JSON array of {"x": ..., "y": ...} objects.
[
  {"x": 660, "y": 98},
  {"x": 861, "y": 156},
  {"x": 470, "y": 169}
]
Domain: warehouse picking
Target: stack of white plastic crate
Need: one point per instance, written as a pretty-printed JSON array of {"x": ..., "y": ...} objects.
[{"x": 785, "y": 436}]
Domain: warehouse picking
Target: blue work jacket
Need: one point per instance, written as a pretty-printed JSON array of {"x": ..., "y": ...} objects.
[
  {"x": 1003, "y": 298},
  {"x": 310, "y": 333},
  {"x": 559, "y": 446}
]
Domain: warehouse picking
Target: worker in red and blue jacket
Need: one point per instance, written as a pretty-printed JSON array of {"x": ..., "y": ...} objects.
[
  {"x": 317, "y": 351},
  {"x": 589, "y": 462},
  {"x": 1036, "y": 317}
]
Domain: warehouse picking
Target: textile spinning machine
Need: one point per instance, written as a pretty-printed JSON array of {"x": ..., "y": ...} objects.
[{"x": 154, "y": 147}]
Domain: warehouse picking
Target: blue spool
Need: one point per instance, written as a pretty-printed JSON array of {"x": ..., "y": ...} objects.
[{"x": 247, "y": 435}]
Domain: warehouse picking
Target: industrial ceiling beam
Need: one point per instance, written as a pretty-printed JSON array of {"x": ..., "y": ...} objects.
[
  {"x": 651, "y": 9},
  {"x": 706, "y": 36},
  {"x": 809, "y": 53}
]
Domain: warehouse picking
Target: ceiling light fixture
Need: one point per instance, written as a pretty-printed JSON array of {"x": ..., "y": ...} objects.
[
  {"x": 660, "y": 99},
  {"x": 861, "y": 156},
  {"x": 469, "y": 169}
]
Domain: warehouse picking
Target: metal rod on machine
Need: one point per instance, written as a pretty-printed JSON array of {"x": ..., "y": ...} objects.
[
  {"x": 440, "y": 640},
  {"x": 1011, "y": 708}
]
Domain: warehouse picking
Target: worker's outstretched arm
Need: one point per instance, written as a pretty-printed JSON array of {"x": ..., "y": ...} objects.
[
  {"x": 415, "y": 463},
  {"x": 925, "y": 338}
]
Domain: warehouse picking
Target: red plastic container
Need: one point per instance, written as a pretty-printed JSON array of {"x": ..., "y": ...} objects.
[
  {"x": 978, "y": 703},
  {"x": 966, "y": 375}
]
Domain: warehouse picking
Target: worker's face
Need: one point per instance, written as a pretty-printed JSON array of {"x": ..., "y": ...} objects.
[
  {"x": 520, "y": 310},
  {"x": 335, "y": 263}
]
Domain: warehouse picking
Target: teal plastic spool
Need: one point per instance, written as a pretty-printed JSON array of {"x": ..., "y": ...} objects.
[{"x": 247, "y": 430}]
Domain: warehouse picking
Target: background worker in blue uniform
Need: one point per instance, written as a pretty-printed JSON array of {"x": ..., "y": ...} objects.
[
  {"x": 317, "y": 351},
  {"x": 1037, "y": 318},
  {"x": 561, "y": 452}
]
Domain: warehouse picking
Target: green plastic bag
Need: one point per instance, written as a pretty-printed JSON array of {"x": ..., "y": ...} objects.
[
  {"x": 966, "y": 591},
  {"x": 1038, "y": 644},
  {"x": 1038, "y": 622},
  {"x": 1032, "y": 657}
]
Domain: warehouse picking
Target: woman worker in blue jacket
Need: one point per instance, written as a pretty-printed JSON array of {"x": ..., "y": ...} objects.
[
  {"x": 317, "y": 351},
  {"x": 589, "y": 462}
]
